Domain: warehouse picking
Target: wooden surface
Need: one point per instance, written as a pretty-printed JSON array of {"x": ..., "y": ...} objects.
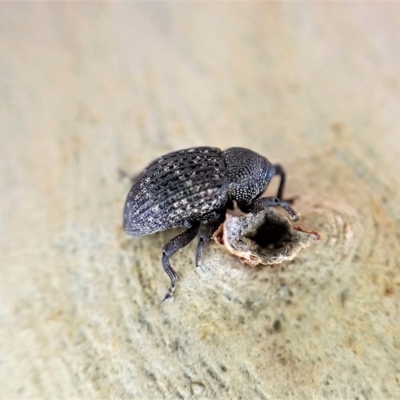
[{"x": 88, "y": 88}]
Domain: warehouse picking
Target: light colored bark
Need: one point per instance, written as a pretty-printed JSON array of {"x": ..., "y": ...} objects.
[{"x": 88, "y": 88}]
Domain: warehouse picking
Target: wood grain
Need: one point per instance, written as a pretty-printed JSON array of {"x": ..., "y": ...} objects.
[{"x": 87, "y": 88}]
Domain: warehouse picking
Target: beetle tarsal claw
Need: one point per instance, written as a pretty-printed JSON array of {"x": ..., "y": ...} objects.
[
  {"x": 169, "y": 296},
  {"x": 200, "y": 268}
]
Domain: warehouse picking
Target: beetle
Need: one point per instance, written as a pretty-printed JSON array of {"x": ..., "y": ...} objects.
[{"x": 193, "y": 188}]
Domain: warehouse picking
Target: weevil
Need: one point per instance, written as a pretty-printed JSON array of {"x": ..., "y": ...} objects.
[{"x": 193, "y": 188}]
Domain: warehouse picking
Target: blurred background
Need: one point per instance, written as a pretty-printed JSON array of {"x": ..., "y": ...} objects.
[{"x": 88, "y": 88}]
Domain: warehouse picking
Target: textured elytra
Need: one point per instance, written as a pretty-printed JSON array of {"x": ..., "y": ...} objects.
[{"x": 176, "y": 189}]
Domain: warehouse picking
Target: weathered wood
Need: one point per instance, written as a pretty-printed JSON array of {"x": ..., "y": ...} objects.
[{"x": 88, "y": 88}]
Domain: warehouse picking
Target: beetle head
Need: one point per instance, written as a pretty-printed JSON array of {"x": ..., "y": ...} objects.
[{"x": 249, "y": 174}]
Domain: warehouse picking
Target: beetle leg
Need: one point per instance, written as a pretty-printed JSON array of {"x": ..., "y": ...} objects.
[
  {"x": 206, "y": 235},
  {"x": 175, "y": 244},
  {"x": 123, "y": 174},
  {"x": 281, "y": 172},
  {"x": 264, "y": 202}
]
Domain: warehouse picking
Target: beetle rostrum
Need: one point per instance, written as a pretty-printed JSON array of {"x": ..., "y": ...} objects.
[{"x": 194, "y": 188}]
